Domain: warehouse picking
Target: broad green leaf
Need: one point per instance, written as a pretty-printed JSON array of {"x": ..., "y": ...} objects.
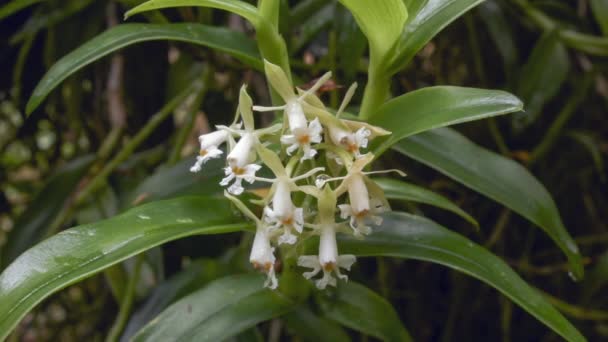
[
  {"x": 218, "y": 311},
  {"x": 600, "y": 12},
  {"x": 76, "y": 253},
  {"x": 381, "y": 21},
  {"x": 308, "y": 326},
  {"x": 193, "y": 277},
  {"x": 439, "y": 106},
  {"x": 400, "y": 190},
  {"x": 238, "y": 7},
  {"x": 541, "y": 78},
  {"x": 170, "y": 181},
  {"x": 221, "y": 39},
  {"x": 430, "y": 20},
  {"x": 361, "y": 309},
  {"x": 14, "y": 6},
  {"x": 495, "y": 176},
  {"x": 32, "y": 225},
  {"x": 408, "y": 236}
]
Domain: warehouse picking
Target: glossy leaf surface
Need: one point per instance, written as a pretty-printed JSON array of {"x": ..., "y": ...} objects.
[
  {"x": 76, "y": 253},
  {"x": 433, "y": 107},
  {"x": 361, "y": 309},
  {"x": 408, "y": 236},
  {"x": 241, "y": 8},
  {"x": 495, "y": 176},
  {"x": 33, "y": 224},
  {"x": 400, "y": 190},
  {"x": 380, "y": 21},
  {"x": 191, "y": 278},
  {"x": 218, "y": 311},
  {"x": 221, "y": 39},
  {"x": 429, "y": 20}
]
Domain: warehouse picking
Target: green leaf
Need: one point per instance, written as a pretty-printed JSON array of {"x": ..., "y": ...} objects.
[
  {"x": 495, "y": 176},
  {"x": 218, "y": 311},
  {"x": 408, "y": 236},
  {"x": 221, "y": 39},
  {"x": 32, "y": 225},
  {"x": 241, "y": 8},
  {"x": 600, "y": 12},
  {"x": 430, "y": 20},
  {"x": 15, "y": 6},
  {"x": 541, "y": 78},
  {"x": 361, "y": 309},
  {"x": 76, "y": 253},
  {"x": 308, "y": 326},
  {"x": 171, "y": 181},
  {"x": 193, "y": 277},
  {"x": 439, "y": 106},
  {"x": 400, "y": 190},
  {"x": 381, "y": 21}
]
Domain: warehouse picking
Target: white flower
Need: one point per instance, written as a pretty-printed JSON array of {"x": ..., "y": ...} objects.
[
  {"x": 209, "y": 148},
  {"x": 327, "y": 261},
  {"x": 237, "y": 168},
  {"x": 352, "y": 142},
  {"x": 304, "y": 137},
  {"x": 284, "y": 215},
  {"x": 262, "y": 256}
]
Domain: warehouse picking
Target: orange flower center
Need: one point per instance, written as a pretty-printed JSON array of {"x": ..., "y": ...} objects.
[
  {"x": 304, "y": 139},
  {"x": 202, "y": 153},
  {"x": 238, "y": 171}
]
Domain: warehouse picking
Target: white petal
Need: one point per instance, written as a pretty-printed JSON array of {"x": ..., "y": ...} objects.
[
  {"x": 287, "y": 238},
  {"x": 236, "y": 188},
  {"x": 298, "y": 219},
  {"x": 346, "y": 261},
  {"x": 345, "y": 211}
]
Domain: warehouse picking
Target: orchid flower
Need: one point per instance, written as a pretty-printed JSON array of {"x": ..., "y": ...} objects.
[
  {"x": 283, "y": 214},
  {"x": 303, "y": 133},
  {"x": 362, "y": 208},
  {"x": 240, "y": 166},
  {"x": 262, "y": 253},
  {"x": 328, "y": 260}
]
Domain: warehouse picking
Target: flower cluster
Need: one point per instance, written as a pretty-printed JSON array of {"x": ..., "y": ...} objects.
[{"x": 310, "y": 135}]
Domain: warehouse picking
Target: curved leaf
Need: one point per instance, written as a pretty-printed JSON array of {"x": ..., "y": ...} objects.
[
  {"x": 32, "y": 225},
  {"x": 399, "y": 190},
  {"x": 439, "y": 106},
  {"x": 241, "y": 8},
  {"x": 218, "y": 311},
  {"x": 76, "y": 253},
  {"x": 361, "y": 309},
  {"x": 221, "y": 39},
  {"x": 495, "y": 176},
  {"x": 193, "y": 277},
  {"x": 380, "y": 21},
  {"x": 430, "y": 20},
  {"x": 14, "y": 6},
  {"x": 408, "y": 236}
]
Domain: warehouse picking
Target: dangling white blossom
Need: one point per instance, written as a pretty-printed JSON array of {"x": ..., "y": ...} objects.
[
  {"x": 351, "y": 142},
  {"x": 283, "y": 214},
  {"x": 238, "y": 167},
  {"x": 262, "y": 256},
  {"x": 210, "y": 143},
  {"x": 304, "y": 138},
  {"x": 327, "y": 261},
  {"x": 302, "y": 134}
]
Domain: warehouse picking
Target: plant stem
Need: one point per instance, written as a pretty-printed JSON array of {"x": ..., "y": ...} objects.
[
  {"x": 126, "y": 303},
  {"x": 377, "y": 90}
]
